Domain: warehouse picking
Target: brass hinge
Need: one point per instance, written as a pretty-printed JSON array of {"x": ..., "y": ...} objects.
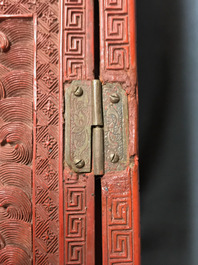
[{"x": 96, "y": 127}]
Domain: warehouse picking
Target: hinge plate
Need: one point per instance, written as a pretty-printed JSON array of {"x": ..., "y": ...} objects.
[
  {"x": 78, "y": 122},
  {"x": 109, "y": 127},
  {"x": 115, "y": 113}
]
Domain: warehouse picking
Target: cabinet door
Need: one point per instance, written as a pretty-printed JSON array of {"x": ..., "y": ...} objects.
[
  {"x": 47, "y": 210},
  {"x": 120, "y": 192}
]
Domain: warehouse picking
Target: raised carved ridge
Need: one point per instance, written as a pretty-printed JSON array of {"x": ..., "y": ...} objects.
[
  {"x": 2, "y": 91},
  {"x": 17, "y": 175},
  {"x": 118, "y": 227},
  {"x": 116, "y": 38},
  {"x": 78, "y": 64},
  {"x": 12, "y": 231},
  {"x": 16, "y": 109},
  {"x": 75, "y": 39},
  {"x": 120, "y": 188},
  {"x": 15, "y": 204},
  {"x": 17, "y": 83},
  {"x": 15, "y": 145},
  {"x": 12, "y": 254},
  {"x": 76, "y": 218},
  {"x": 47, "y": 117},
  {"x": 116, "y": 34},
  {"x": 16, "y": 141},
  {"x": 4, "y": 42},
  {"x": 78, "y": 40}
]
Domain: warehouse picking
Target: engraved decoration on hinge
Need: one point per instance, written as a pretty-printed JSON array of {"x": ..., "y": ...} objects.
[{"x": 115, "y": 114}]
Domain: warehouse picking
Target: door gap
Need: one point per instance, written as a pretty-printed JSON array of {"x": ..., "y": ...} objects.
[
  {"x": 96, "y": 40},
  {"x": 98, "y": 221},
  {"x": 98, "y": 199}
]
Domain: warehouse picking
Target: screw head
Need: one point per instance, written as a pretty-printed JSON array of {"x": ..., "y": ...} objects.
[
  {"x": 114, "y": 98},
  {"x": 79, "y": 163},
  {"x": 78, "y": 91},
  {"x": 114, "y": 158}
]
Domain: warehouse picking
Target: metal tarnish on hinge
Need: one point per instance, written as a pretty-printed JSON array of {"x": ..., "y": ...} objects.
[
  {"x": 97, "y": 103},
  {"x": 96, "y": 127},
  {"x": 78, "y": 122},
  {"x": 98, "y": 133},
  {"x": 115, "y": 113}
]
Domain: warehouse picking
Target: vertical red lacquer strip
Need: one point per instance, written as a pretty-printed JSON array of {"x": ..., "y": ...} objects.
[
  {"x": 104, "y": 228},
  {"x": 89, "y": 40},
  {"x": 132, "y": 29},
  {"x": 78, "y": 64},
  {"x": 78, "y": 40},
  {"x": 61, "y": 198},
  {"x": 34, "y": 137},
  {"x": 134, "y": 119},
  {"x": 136, "y": 213},
  {"x": 120, "y": 190},
  {"x": 45, "y": 83},
  {"x": 90, "y": 253}
]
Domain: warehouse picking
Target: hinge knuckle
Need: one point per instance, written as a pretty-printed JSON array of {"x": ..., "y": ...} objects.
[
  {"x": 98, "y": 133},
  {"x": 97, "y": 103},
  {"x": 98, "y": 151}
]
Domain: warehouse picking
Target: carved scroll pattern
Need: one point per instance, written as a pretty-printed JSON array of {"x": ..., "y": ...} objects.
[
  {"x": 120, "y": 230},
  {"x": 75, "y": 39},
  {"x": 78, "y": 64},
  {"x": 118, "y": 227},
  {"x": 16, "y": 140},
  {"x": 46, "y": 225},
  {"x": 76, "y": 219},
  {"x": 118, "y": 65},
  {"x": 116, "y": 39}
]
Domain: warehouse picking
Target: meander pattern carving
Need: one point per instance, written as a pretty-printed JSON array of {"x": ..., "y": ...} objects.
[
  {"x": 45, "y": 238},
  {"x": 75, "y": 39},
  {"x": 119, "y": 229},
  {"x": 116, "y": 37},
  {"x": 16, "y": 136},
  {"x": 116, "y": 67},
  {"x": 76, "y": 221}
]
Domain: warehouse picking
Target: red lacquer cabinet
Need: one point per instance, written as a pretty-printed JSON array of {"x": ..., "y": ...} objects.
[{"x": 68, "y": 133}]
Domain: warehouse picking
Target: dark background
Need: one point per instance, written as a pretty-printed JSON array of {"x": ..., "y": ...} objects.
[{"x": 167, "y": 49}]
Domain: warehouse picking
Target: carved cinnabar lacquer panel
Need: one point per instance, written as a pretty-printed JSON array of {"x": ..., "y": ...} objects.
[
  {"x": 32, "y": 58},
  {"x": 16, "y": 150},
  {"x": 120, "y": 198},
  {"x": 48, "y": 50}
]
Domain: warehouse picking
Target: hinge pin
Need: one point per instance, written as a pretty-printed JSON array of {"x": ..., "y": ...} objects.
[
  {"x": 98, "y": 132},
  {"x": 114, "y": 158},
  {"x": 78, "y": 91},
  {"x": 114, "y": 98},
  {"x": 79, "y": 163}
]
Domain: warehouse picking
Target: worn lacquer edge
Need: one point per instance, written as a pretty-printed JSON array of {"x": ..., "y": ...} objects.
[{"x": 114, "y": 69}]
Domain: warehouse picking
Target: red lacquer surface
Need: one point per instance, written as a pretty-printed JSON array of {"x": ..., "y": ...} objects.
[
  {"x": 47, "y": 210},
  {"x": 120, "y": 190},
  {"x": 46, "y": 173},
  {"x": 16, "y": 125},
  {"x": 78, "y": 64}
]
